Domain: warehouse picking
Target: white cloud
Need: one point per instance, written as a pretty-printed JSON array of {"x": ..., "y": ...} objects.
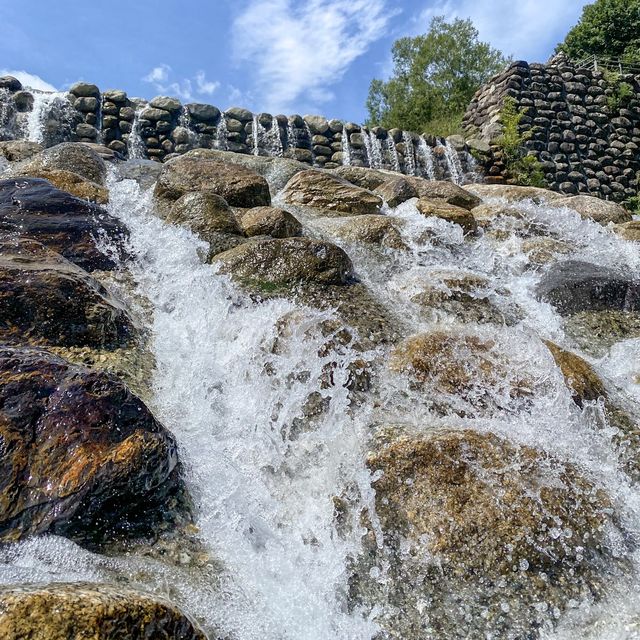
[
  {"x": 299, "y": 50},
  {"x": 527, "y": 29},
  {"x": 29, "y": 79},
  {"x": 185, "y": 89}
]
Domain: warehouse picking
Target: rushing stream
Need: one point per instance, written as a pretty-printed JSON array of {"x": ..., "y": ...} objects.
[{"x": 232, "y": 377}]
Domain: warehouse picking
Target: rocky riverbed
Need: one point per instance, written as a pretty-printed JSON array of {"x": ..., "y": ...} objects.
[{"x": 244, "y": 399}]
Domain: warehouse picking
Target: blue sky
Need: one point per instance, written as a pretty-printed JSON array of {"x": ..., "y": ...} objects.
[{"x": 280, "y": 56}]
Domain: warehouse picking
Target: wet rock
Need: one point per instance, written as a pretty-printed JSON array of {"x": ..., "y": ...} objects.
[
  {"x": 396, "y": 191},
  {"x": 446, "y": 191},
  {"x": 269, "y": 221},
  {"x": 85, "y": 90},
  {"x": 10, "y": 83},
  {"x": 579, "y": 375},
  {"x": 512, "y": 193},
  {"x": 144, "y": 172},
  {"x": 210, "y": 217},
  {"x": 457, "y": 215},
  {"x": 478, "y": 532},
  {"x": 33, "y": 208},
  {"x": 45, "y": 299},
  {"x": 461, "y": 372},
  {"x": 83, "y": 457},
  {"x": 321, "y": 190},
  {"x": 18, "y": 150},
  {"x": 486, "y": 214},
  {"x": 268, "y": 265},
  {"x": 594, "y": 332},
  {"x": 595, "y": 209},
  {"x": 103, "y": 612},
  {"x": 362, "y": 177},
  {"x": 239, "y": 186},
  {"x": 543, "y": 250},
  {"x": 573, "y": 286},
  {"x": 70, "y": 182},
  {"x": 629, "y": 230},
  {"x": 70, "y": 156},
  {"x": 377, "y": 230},
  {"x": 168, "y": 104}
]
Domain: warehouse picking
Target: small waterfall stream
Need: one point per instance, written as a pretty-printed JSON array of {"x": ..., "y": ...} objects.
[
  {"x": 453, "y": 163},
  {"x": 409, "y": 153},
  {"x": 222, "y": 141},
  {"x": 393, "y": 154},
  {"x": 43, "y": 104},
  {"x": 426, "y": 155},
  {"x": 346, "y": 148},
  {"x": 135, "y": 145}
]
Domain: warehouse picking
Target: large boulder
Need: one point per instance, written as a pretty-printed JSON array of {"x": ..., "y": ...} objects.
[
  {"x": 590, "y": 208},
  {"x": 478, "y": 532},
  {"x": 362, "y": 177},
  {"x": 239, "y": 186},
  {"x": 396, "y": 191},
  {"x": 513, "y": 193},
  {"x": 457, "y": 215},
  {"x": 68, "y": 181},
  {"x": 321, "y": 190},
  {"x": 18, "y": 150},
  {"x": 97, "y": 611},
  {"x": 45, "y": 299},
  {"x": 33, "y": 208},
  {"x": 572, "y": 286},
  {"x": 269, "y": 265},
  {"x": 269, "y": 221},
  {"x": 82, "y": 456},
  {"x": 448, "y": 192},
  {"x": 70, "y": 156},
  {"x": 376, "y": 230},
  {"x": 144, "y": 172}
]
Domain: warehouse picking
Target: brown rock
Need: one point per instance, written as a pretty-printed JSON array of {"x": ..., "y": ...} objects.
[
  {"x": 18, "y": 150},
  {"x": 448, "y": 212},
  {"x": 82, "y": 457},
  {"x": 96, "y": 611},
  {"x": 321, "y": 190},
  {"x": 443, "y": 190},
  {"x": 362, "y": 177},
  {"x": 376, "y": 230},
  {"x": 396, "y": 191},
  {"x": 269, "y": 221},
  {"x": 590, "y": 208},
  {"x": 629, "y": 230},
  {"x": 513, "y": 193},
  {"x": 45, "y": 299},
  {"x": 70, "y": 182},
  {"x": 70, "y": 156}
]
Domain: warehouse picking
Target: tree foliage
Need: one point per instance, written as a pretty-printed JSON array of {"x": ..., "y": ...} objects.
[
  {"x": 607, "y": 29},
  {"x": 435, "y": 76}
]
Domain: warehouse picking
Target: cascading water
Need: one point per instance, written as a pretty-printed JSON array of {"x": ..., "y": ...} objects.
[
  {"x": 275, "y": 141},
  {"x": 135, "y": 144},
  {"x": 426, "y": 155},
  {"x": 49, "y": 117},
  {"x": 222, "y": 134},
  {"x": 409, "y": 154},
  {"x": 375, "y": 148},
  {"x": 366, "y": 140},
  {"x": 184, "y": 121},
  {"x": 7, "y": 116},
  {"x": 453, "y": 163},
  {"x": 346, "y": 148},
  {"x": 393, "y": 154},
  {"x": 292, "y": 136},
  {"x": 257, "y": 134}
]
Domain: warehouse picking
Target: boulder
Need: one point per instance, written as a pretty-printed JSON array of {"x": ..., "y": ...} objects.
[
  {"x": 572, "y": 286},
  {"x": 83, "y": 457},
  {"x": 396, "y": 191},
  {"x": 269, "y": 265},
  {"x": 33, "y": 208},
  {"x": 513, "y": 193},
  {"x": 70, "y": 182},
  {"x": 362, "y": 177},
  {"x": 45, "y": 299},
  {"x": 377, "y": 230},
  {"x": 203, "y": 112},
  {"x": 168, "y": 104},
  {"x": 239, "y": 186},
  {"x": 10, "y": 83},
  {"x": 318, "y": 125},
  {"x": 18, "y": 150},
  {"x": 629, "y": 230},
  {"x": 448, "y": 192},
  {"x": 238, "y": 113},
  {"x": 478, "y": 532},
  {"x": 85, "y": 90},
  {"x": 269, "y": 221},
  {"x": 462, "y": 217},
  {"x": 579, "y": 375},
  {"x": 590, "y": 208},
  {"x": 97, "y": 611},
  {"x": 321, "y": 190},
  {"x": 70, "y": 156}
]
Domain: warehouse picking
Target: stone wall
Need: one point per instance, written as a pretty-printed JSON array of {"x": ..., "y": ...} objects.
[
  {"x": 163, "y": 128},
  {"x": 584, "y": 135}
]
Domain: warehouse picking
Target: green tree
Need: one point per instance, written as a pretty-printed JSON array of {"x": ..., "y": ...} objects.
[
  {"x": 435, "y": 76},
  {"x": 607, "y": 28}
]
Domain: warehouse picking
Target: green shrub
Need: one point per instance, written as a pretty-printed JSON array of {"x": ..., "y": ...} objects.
[
  {"x": 521, "y": 168},
  {"x": 622, "y": 92}
]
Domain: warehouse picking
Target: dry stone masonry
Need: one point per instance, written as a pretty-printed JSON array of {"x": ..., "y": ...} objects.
[
  {"x": 577, "y": 122},
  {"x": 164, "y": 128}
]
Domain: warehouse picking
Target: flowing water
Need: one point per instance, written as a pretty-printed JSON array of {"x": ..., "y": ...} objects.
[
  {"x": 136, "y": 149},
  {"x": 393, "y": 154},
  {"x": 409, "y": 154},
  {"x": 425, "y": 154},
  {"x": 50, "y": 111},
  {"x": 231, "y": 381},
  {"x": 346, "y": 148},
  {"x": 222, "y": 134},
  {"x": 454, "y": 165}
]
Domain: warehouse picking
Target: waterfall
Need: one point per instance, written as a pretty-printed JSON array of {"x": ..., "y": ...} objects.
[
  {"x": 393, "y": 154},
  {"x": 184, "y": 121},
  {"x": 409, "y": 154},
  {"x": 292, "y": 136},
  {"x": 367, "y": 147},
  {"x": 257, "y": 133},
  {"x": 7, "y": 115},
  {"x": 136, "y": 149},
  {"x": 309, "y": 136},
  {"x": 375, "y": 148},
  {"x": 222, "y": 134},
  {"x": 275, "y": 141},
  {"x": 99, "y": 121},
  {"x": 453, "y": 163},
  {"x": 43, "y": 105},
  {"x": 346, "y": 148},
  {"x": 426, "y": 155}
]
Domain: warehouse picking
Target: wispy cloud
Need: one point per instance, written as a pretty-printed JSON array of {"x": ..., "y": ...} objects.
[
  {"x": 29, "y": 79},
  {"x": 299, "y": 50},
  {"x": 523, "y": 29},
  {"x": 185, "y": 89}
]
